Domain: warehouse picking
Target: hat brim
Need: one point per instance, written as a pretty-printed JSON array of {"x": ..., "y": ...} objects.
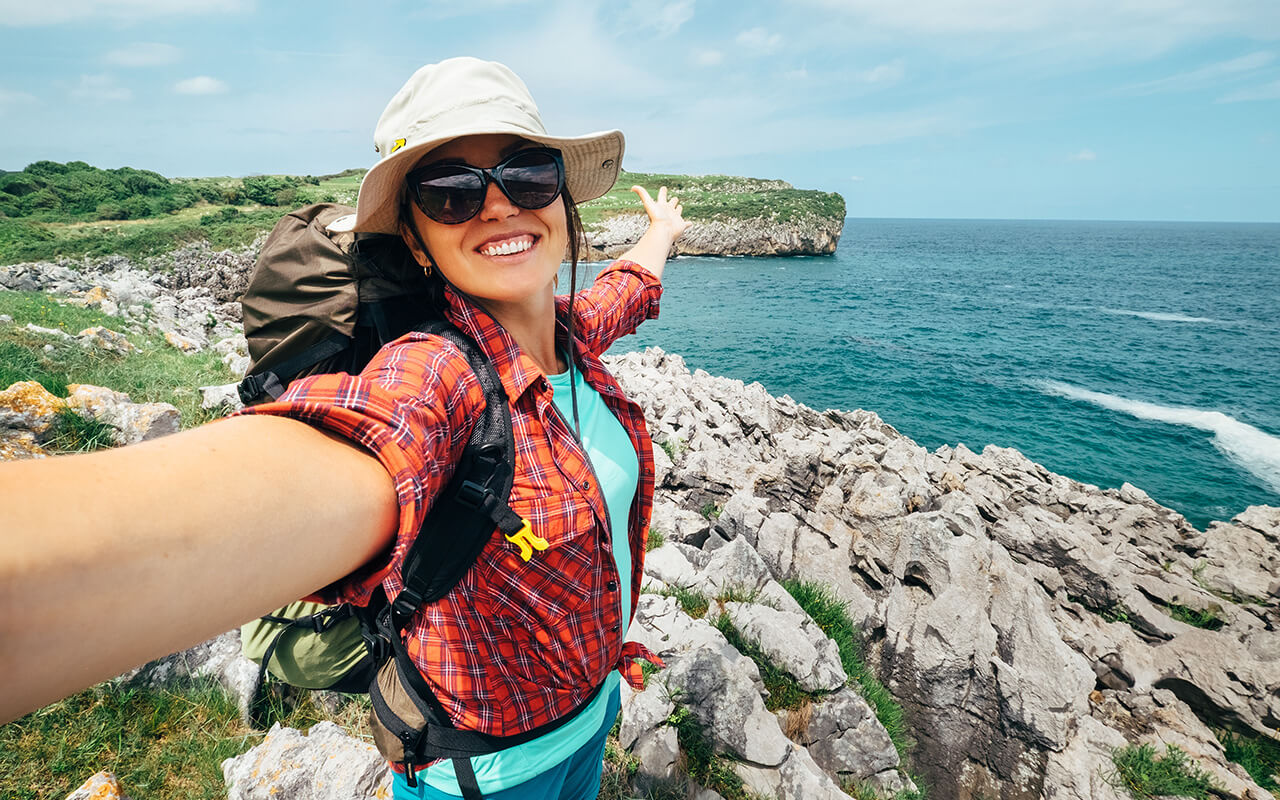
[{"x": 591, "y": 165}]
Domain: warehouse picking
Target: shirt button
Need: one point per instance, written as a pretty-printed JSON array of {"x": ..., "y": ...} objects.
[
  {"x": 613, "y": 586},
  {"x": 614, "y": 629}
]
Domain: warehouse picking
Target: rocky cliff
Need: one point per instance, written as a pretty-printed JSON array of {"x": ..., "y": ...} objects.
[
  {"x": 729, "y": 216},
  {"x": 1028, "y": 625},
  {"x": 757, "y": 236}
]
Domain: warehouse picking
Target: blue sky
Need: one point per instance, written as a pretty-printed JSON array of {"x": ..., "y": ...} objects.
[{"x": 1068, "y": 109}]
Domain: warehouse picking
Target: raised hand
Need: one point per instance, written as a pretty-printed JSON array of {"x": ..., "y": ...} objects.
[{"x": 665, "y": 213}]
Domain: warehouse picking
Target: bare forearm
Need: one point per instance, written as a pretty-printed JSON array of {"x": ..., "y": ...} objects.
[
  {"x": 651, "y": 250},
  {"x": 110, "y": 559}
]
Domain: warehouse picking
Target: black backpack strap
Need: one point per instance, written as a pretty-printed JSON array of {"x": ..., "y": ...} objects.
[
  {"x": 473, "y": 503},
  {"x": 273, "y": 382}
]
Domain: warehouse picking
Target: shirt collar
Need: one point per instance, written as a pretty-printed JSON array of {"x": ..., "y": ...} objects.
[{"x": 515, "y": 368}]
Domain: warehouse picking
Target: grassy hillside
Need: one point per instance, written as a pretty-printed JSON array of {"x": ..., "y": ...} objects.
[{"x": 51, "y": 210}]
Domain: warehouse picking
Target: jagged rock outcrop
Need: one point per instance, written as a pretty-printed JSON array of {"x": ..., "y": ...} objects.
[
  {"x": 1029, "y": 624},
  {"x": 323, "y": 764},
  {"x": 806, "y": 235}
]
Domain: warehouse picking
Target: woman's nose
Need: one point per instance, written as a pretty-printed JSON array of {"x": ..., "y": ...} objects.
[{"x": 496, "y": 204}]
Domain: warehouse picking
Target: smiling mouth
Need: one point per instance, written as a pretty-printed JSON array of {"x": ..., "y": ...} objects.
[{"x": 508, "y": 247}]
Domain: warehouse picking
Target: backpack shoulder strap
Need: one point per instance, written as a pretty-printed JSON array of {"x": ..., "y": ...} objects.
[{"x": 474, "y": 502}]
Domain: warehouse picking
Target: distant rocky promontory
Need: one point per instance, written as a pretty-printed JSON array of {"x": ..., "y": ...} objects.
[{"x": 729, "y": 216}]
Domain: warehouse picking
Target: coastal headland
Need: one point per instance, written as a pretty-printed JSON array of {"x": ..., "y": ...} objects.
[
  {"x": 51, "y": 210},
  {"x": 843, "y": 613}
]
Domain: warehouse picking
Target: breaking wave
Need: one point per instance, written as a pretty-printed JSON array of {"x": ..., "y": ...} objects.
[
  {"x": 1159, "y": 316},
  {"x": 1251, "y": 448}
]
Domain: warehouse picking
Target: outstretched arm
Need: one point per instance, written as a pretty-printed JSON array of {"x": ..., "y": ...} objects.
[
  {"x": 666, "y": 223},
  {"x": 110, "y": 559}
]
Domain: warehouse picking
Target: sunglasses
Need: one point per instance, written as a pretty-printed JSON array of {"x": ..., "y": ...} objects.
[{"x": 454, "y": 193}]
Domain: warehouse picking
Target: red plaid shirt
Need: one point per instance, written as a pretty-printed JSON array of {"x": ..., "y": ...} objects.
[{"x": 516, "y": 644}]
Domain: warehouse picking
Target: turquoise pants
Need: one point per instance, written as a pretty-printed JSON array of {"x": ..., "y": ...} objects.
[{"x": 575, "y": 778}]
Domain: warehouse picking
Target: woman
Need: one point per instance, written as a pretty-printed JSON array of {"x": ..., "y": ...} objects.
[{"x": 483, "y": 199}]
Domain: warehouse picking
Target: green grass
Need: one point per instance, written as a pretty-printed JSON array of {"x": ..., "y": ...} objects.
[
  {"x": 833, "y": 617},
  {"x": 1208, "y": 619},
  {"x": 692, "y": 602},
  {"x": 656, "y": 539},
  {"x": 710, "y": 197},
  {"x": 785, "y": 692},
  {"x": 154, "y": 372},
  {"x": 672, "y": 447},
  {"x": 221, "y": 226},
  {"x": 1259, "y": 756},
  {"x": 1144, "y": 774},
  {"x": 862, "y": 791},
  {"x": 711, "y": 511},
  {"x": 160, "y": 743},
  {"x": 702, "y": 763},
  {"x": 225, "y": 217},
  {"x": 76, "y": 434}
]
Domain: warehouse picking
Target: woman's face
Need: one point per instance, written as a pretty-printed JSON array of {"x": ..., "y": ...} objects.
[{"x": 467, "y": 254}]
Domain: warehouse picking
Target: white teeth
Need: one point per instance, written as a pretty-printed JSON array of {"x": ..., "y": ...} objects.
[{"x": 507, "y": 248}]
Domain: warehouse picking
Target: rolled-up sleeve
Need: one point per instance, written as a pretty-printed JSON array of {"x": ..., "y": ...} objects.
[
  {"x": 410, "y": 409},
  {"x": 624, "y": 295}
]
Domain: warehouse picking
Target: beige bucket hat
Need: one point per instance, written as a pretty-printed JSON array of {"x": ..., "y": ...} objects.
[{"x": 464, "y": 97}]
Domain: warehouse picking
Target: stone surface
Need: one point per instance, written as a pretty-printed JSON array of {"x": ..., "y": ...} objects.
[
  {"x": 324, "y": 764},
  {"x": 983, "y": 584},
  {"x": 133, "y": 422},
  {"x": 100, "y": 786},
  {"x": 105, "y": 339},
  {"x": 791, "y": 641},
  {"x": 28, "y": 406},
  {"x": 844, "y": 737}
]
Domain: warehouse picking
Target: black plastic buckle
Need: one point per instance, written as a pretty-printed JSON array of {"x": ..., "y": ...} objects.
[
  {"x": 473, "y": 494},
  {"x": 250, "y": 388}
]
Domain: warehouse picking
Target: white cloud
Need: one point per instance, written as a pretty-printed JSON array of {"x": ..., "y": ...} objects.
[
  {"x": 796, "y": 74},
  {"x": 857, "y": 178},
  {"x": 1202, "y": 77},
  {"x": 890, "y": 72},
  {"x": 21, "y": 13},
  {"x": 1269, "y": 91},
  {"x": 1128, "y": 27},
  {"x": 143, "y": 54},
  {"x": 708, "y": 58},
  {"x": 201, "y": 84},
  {"x": 1084, "y": 155},
  {"x": 665, "y": 16},
  {"x": 9, "y": 99},
  {"x": 100, "y": 89},
  {"x": 760, "y": 40}
]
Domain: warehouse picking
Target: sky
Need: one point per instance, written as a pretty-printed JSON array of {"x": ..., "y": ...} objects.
[{"x": 1004, "y": 109}]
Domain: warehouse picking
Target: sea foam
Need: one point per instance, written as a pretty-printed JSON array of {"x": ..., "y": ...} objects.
[
  {"x": 1254, "y": 449},
  {"x": 1158, "y": 316}
]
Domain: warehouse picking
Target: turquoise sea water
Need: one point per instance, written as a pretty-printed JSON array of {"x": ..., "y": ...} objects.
[{"x": 1107, "y": 351}]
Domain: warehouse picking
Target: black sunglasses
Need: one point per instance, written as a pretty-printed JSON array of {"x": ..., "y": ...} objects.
[{"x": 454, "y": 193}]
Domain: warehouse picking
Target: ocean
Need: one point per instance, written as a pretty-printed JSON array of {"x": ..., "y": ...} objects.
[{"x": 1146, "y": 352}]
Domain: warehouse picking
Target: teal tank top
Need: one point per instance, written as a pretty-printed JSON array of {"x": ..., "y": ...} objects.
[{"x": 614, "y": 459}]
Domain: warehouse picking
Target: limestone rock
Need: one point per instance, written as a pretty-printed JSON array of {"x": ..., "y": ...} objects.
[
  {"x": 101, "y": 338},
  {"x": 658, "y": 752},
  {"x": 720, "y": 691},
  {"x": 846, "y": 739},
  {"x": 28, "y": 406},
  {"x": 100, "y": 786},
  {"x": 793, "y": 642},
  {"x": 324, "y": 764},
  {"x": 16, "y": 445},
  {"x": 224, "y": 398},
  {"x": 134, "y": 422}
]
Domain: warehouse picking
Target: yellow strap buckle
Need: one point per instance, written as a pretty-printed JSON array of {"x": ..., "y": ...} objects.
[{"x": 527, "y": 540}]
